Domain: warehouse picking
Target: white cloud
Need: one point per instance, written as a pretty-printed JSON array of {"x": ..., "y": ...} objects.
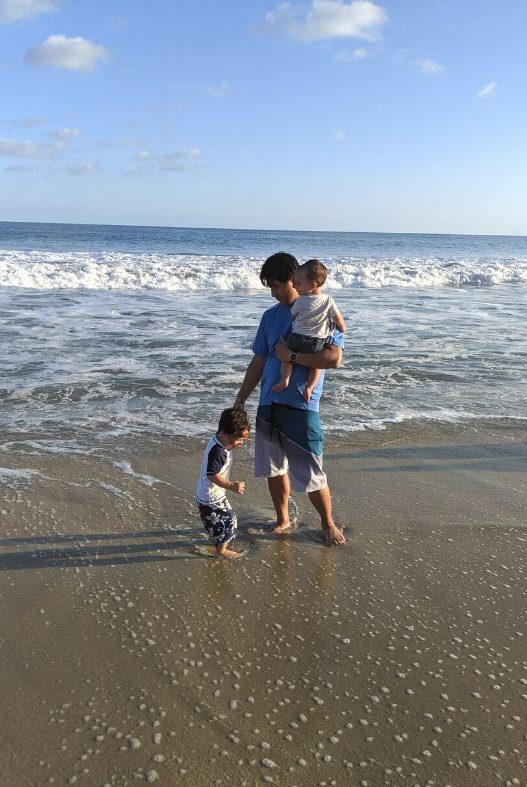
[
  {"x": 361, "y": 53},
  {"x": 75, "y": 54},
  {"x": 16, "y": 148},
  {"x": 27, "y": 149},
  {"x": 13, "y": 10},
  {"x": 327, "y": 19},
  {"x": 21, "y": 168},
  {"x": 183, "y": 160},
  {"x": 340, "y": 136},
  {"x": 28, "y": 122},
  {"x": 216, "y": 91},
  {"x": 83, "y": 168},
  {"x": 65, "y": 135},
  {"x": 486, "y": 90},
  {"x": 402, "y": 56},
  {"x": 427, "y": 66},
  {"x": 219, "y": 91},
  {"x": 430, "y": 67}
]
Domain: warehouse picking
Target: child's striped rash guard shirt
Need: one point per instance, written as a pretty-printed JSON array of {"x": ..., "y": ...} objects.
[{"x": 216, "y": 459}]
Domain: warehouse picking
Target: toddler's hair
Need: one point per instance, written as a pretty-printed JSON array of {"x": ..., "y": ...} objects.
[
  {"x": 234, "y": 422},
  {"x": 315, "y": 271}
]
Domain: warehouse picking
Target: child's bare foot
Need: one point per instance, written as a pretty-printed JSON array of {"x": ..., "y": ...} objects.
[
  {"x": 333, "y": 535},
  {"x": 282, "y": 528},
  {"x": 281, "y": 386},
  {"x": 307, "y": 393},
  {"x": 224, "y": 551}
]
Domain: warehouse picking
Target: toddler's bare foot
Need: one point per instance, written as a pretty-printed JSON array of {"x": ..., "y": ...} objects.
[
  {"x": 282, "y": 528},
  {"x": 307, "y": 393},
  {"x": 226, "y": 552},
  {"x": 281, "y": 386},
  {"x": 333, "y": 535}
]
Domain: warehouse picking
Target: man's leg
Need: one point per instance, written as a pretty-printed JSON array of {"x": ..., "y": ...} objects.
[
  {"x": 279, "y": 491},
  {"x": 321, "y": 500},
  {"x": 303, "y": 441},
  {"x": 270, "y": 462}
]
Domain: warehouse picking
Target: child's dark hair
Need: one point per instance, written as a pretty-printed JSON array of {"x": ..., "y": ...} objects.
[
  {"x": 315, "y": 271},
  {"x": 234, "y": 422},
  {"x": 278, "y": 267}
]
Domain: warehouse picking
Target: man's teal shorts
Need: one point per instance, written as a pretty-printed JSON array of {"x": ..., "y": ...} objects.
[{"x": 291, "y": 440}]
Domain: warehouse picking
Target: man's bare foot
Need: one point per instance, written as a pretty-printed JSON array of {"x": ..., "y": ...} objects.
[
  {"x": 307, "y": 394},
  {"x": 283, "y": 528},
  {"x": 281, "y": 386},
  {"x": 226, "y": 552},
  {"x": 333, "y": 535}
]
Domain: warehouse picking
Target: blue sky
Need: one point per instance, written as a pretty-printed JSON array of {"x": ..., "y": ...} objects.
[{"x": 325, "y": 114}]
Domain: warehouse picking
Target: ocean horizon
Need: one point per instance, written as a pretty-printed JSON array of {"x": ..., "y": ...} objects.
[{"x": 260, "y": 229}]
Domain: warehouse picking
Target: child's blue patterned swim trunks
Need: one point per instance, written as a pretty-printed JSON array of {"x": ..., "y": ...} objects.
[{"x": 219, "y": 520}]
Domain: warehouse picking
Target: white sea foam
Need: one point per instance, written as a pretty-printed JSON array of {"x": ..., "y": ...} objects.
[
  {"x": 147, "y": 480},
  {"x": 186, "y": 273},
  {"x": 112, "y": 270},
  {"x": 110, "y": 362},
  {"x": 13, "y": 474}
]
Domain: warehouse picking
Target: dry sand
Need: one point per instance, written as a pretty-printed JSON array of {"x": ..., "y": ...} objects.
[{"x": 130, "y": 655}]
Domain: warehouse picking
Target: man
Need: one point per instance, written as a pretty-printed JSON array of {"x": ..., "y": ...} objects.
[{"x": 289, "y": 437}]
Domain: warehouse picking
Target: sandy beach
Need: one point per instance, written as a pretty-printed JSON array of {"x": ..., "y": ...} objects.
[{"x": 130, "y": 655}]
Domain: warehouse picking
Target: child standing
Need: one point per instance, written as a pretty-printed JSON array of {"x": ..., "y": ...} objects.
[
  {"x": 312, "y": 314},
  {"x": 214, "y": 508}
]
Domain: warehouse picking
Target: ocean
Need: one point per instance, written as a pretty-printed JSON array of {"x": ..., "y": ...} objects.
[{"x": 110, "y": 331}]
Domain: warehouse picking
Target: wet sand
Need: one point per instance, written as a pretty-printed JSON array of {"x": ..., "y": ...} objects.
[{"x": 129, "y": 655}]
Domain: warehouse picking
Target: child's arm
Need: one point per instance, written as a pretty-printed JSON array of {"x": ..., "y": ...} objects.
[
  {"x": 339, "y": 322},
  {"x": 225, "y": 483}
]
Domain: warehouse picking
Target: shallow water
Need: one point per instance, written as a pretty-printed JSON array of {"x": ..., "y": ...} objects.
[{"x": 119, "y": 330}]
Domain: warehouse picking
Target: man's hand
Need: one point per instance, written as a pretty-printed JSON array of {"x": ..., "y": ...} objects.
[
  {"x": 253, "y": 375},
  {"x": 238, "y": 487},
  {"x": 328, "y": 358}
]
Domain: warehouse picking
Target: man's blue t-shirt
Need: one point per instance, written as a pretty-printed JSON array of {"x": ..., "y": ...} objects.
[{"x": 275, "y": 324}]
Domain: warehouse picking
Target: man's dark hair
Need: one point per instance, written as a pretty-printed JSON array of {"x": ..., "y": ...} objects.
[
  {"x": 234, "y": 422},
  {"x": 278, "y": 267},
  {"x": 315, "y": 271}
]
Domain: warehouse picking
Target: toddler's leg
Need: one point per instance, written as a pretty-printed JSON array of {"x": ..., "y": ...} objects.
[
  {"x": 225, "y": 532},
  {"x": 285, "y": 370},
  {"x": 222, "y": 550},
  {"x": 312, "y": 380}
]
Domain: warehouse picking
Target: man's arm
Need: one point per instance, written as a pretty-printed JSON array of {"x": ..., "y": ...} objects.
[
  {"x": 253, "y": 375},
  {"x": 328, "y": 358}
]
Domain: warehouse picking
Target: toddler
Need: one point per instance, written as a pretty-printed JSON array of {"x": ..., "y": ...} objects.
[
  {"x": 313, "y": 314},
  {"x": 214, "y": 508}
]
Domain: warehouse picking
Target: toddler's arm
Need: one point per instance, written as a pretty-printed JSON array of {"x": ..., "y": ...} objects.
[
  {"x": 225, "y": 483},
  {"x": 336, "y": 316},
  {"x": 339, "y": 322}
]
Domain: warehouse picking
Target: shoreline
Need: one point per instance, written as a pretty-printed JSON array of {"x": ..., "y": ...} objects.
[{"x": 396, "y": 659}]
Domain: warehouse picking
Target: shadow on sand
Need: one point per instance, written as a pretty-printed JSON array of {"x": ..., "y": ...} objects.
[{"x": 94, "y": 550}]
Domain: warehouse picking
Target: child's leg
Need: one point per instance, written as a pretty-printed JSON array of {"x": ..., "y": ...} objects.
[
  {"x": 224, "y": 531},
  {"x": 222, "y": 550},
  {"x": 312, "y": 380},
  {"x": 285, "y": 370}
]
